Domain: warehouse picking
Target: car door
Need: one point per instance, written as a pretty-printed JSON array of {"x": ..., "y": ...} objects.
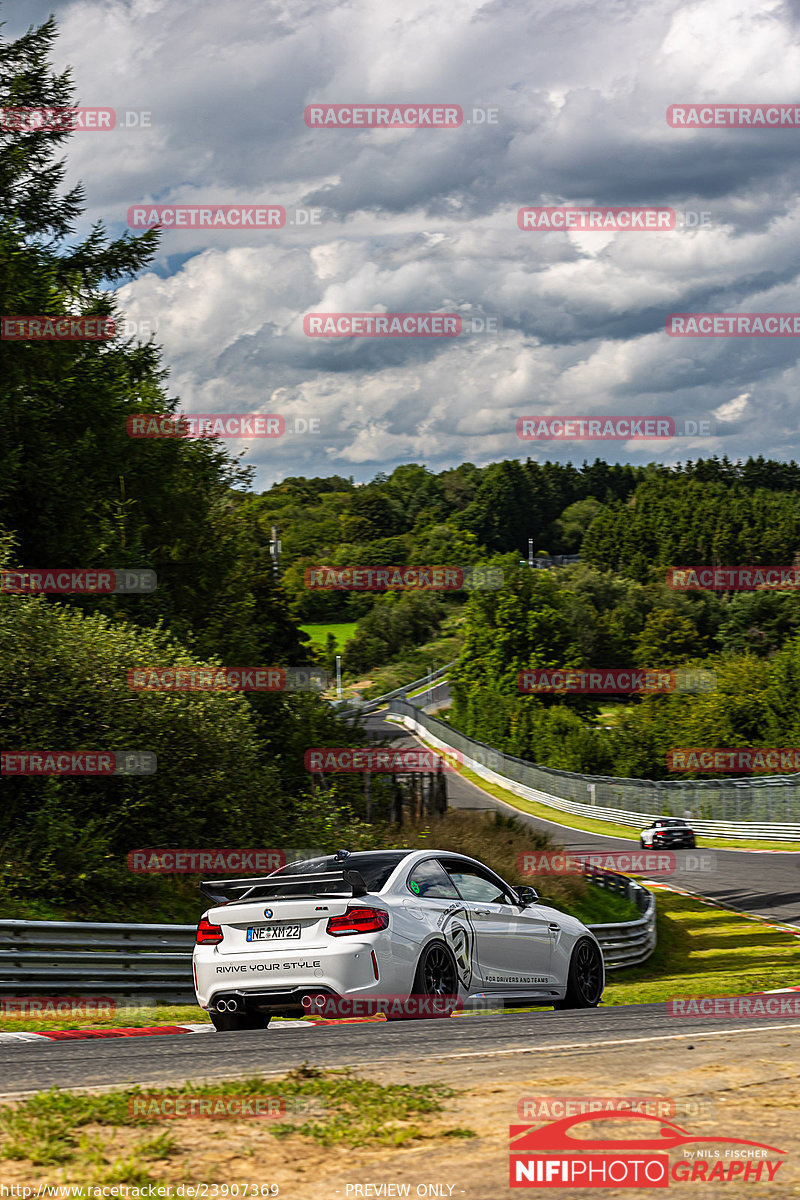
[
  {"x": 513, "y": 944},
  {"x": 433, "y": 894}
]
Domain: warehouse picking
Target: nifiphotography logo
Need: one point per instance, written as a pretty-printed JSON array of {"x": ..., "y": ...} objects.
[{"x": 557, "y": 1156}]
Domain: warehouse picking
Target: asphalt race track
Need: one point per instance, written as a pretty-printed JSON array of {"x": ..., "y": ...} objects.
[
  {"x": 763, "y": 883},
  {"x": 150, "y": 1061}
]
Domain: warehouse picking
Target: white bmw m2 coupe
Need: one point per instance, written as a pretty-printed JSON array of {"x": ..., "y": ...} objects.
[{"x": 377, "y": 925}]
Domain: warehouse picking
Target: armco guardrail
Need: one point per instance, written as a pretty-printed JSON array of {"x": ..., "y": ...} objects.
[
  {"x": 97, "y": 958},
  {"x": 626, "y": 943},
  {"x": 734, "y": 808},
  {"x": 378, "y": 702},
  {"x": 436, "y": 696},
  {"x": 551, "y": 560},
  {"x": 153, "y": 963}
]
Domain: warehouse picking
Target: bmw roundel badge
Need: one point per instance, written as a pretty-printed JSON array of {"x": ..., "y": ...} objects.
[{"x": 267, "y": 912}]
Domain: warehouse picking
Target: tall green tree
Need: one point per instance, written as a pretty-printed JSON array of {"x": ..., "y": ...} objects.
[
  {"x": 502, "y": 516},
  {"x": 75, "y": 489}
]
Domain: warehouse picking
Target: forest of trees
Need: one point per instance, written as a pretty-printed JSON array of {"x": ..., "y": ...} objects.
[
  {"x": 676, "y": 520},
  {"x": 710, "y": 511},
  {"x": 582, "y": 616}
]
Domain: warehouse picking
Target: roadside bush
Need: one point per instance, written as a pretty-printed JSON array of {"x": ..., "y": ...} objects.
[{"x": 63, "y": 686}]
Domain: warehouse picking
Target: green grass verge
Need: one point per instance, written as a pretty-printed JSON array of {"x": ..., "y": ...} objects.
[
  {"x": 83, "y": 1134},
  {"x": 425, "y": 687},
  {"x": 707, "y": 951},
  {"x": 341, "y": 630}
]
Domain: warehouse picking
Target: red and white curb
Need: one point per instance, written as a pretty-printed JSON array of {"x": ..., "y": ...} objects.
[
  {"x": 71, "y": 1035},
  {"x": 76, "y": 1035}
]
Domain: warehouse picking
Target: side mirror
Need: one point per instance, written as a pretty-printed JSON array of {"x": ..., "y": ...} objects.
[{"x": 527, "y": 895}]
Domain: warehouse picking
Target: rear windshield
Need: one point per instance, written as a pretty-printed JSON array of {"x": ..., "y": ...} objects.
[
  {"x": 672, "y": 822},
  {"x": 375, "y": 867}
]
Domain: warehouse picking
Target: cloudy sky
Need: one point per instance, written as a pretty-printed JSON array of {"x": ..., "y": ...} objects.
[{"x": 426, "y": 220}]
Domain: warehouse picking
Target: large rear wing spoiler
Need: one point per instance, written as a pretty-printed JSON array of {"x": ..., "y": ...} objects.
[{"x": 337, "y": 884}]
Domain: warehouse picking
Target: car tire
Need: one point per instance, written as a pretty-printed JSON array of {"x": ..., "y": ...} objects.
[
  {"x": 692, "y": 844},
  {"x": 642, "y": 845},
  {"x": 436, "y": 974},
  {"x": 584, "y": 979},
  {"x": 233, "y": 1022}
]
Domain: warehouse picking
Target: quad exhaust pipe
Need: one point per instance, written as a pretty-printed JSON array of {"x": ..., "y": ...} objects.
[{"x": 229, "y": 1004}]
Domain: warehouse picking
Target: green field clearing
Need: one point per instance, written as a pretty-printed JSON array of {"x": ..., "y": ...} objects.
[{"x": 341, "y": 630}]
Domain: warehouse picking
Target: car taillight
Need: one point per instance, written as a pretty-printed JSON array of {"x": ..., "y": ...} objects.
[
  {"x": 358, "y": 920},
  {"x": 208, "y": 934}
]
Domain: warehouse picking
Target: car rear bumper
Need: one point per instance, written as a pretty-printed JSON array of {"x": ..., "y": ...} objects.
[
  {"x": 288, "y": 975},
  {"x": 298, "y": 1001}
]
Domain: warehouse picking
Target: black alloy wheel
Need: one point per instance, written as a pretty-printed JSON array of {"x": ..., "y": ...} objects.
[
  {"x": 437, "y": 972},
  {"x": 585, "y": 979},
  {"x": 436, "y": 975}
]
